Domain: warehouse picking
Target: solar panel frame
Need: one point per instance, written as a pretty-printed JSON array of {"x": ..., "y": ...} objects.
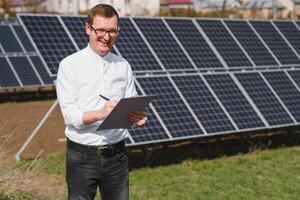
[
  {"x": 290, "y": 32},
  {"x": 23, "y": 39},
  {"x": 204, "y": 104},
  {"x": 251, "y": 43},
  {"x": 8, "y": 71},
  {"x": 295, "y": 76},
  {"x": 286, "y": 90},
  {"x": 41, "y": 69},
  {"x": 133, "y": 47},
  {"x": 25, "y": 71},
  {"x": 227, "y": 47},
  {"x": 158, "y": 133},
  {"x": 8, "y": 40},
  {"x": 163, "y": 44},
  {"x": 276, "y": 42},
  {"x": 76, "y": 29},
  {"x": 195, "y": 45},
  {"x": 53, "y": 51},
  {"x": 166, "y": 95},
  {"x": 264, "y": 98},
  {"x": 235, "y": 102}
]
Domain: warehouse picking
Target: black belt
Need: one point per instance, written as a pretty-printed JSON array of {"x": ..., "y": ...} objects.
[{"x": 106, "y": 151}]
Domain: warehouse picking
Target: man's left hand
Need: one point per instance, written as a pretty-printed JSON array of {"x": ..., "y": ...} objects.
[{"x": 138, "y": 118}]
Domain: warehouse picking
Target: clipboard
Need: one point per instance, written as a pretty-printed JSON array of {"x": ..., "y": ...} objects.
[{"x": 118, "y": 117}]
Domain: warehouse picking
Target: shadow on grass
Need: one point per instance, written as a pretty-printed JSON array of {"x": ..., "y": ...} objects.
[{"x": 211, "y": 147}]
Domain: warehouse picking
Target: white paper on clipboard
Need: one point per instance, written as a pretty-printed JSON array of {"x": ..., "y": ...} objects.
[{"x": 118, "y": 117}]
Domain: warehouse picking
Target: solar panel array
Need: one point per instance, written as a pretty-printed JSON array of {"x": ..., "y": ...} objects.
[
  {"x": 21, "y": 66},
  {"x": 211, "y": 76}
]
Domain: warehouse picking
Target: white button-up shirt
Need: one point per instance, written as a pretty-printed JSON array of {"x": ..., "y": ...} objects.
[{"x": 81, "y": 77}]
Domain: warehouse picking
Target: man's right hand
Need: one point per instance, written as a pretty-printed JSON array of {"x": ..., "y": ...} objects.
[
  {"x": 90, "y": 117},
  {"x": 107, "y": 108}
]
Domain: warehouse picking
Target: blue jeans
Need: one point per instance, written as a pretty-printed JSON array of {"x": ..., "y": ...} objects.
[{"x": 86, "y": 172}]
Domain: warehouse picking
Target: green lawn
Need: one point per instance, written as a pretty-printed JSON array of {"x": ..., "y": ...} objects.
[{"x": 269, "y": 174}]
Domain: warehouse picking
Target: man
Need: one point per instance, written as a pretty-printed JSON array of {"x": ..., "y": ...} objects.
[{"x": 96, "y": 158}]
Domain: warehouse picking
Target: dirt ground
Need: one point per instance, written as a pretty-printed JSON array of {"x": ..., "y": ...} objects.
[{"x": 18, "y": 120}]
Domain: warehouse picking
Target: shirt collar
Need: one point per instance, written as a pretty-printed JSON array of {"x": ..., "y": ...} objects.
[{"x": 95, "y": 55}]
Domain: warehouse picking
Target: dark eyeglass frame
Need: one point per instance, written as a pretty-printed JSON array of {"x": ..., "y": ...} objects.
[{"x": 102, "y": 32}]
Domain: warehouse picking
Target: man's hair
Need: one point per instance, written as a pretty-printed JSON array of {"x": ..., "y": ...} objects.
[{"x": 104, "y": 10}]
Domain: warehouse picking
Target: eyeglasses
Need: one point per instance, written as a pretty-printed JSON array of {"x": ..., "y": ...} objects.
[{"x": 102, "y": 32}]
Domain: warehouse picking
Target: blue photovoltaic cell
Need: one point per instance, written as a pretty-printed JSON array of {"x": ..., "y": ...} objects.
[
  {"x": 163, "y": 43},
  {"x": 194, "y": 43},
  {"x": 286, "y": 91},
  {"x": 152, "y": 131},
  {"x": 7, "y": 77},
  {"x": 171, "y": 108},
  {"x": 275, "y": 42},
  {"x": 295, "y": 74},
  {"x": 50, "y": 38},
  {"x": 41, "y": 69},
  {"x": 23, "y": 38},
  {"x": 204, "y": 105},
  {"x": 8, "y": 40},
  {"x": 264, "y": 99},
  {"x": 24, "y": 71},
  {"x": 224, "y": 43},
  {"x": 291, "y": 33},
  {"x": 234, "y": 101},
  {"x": 132, "y": 47},
  {"x": 76, "y": 26},
  {"x": 251, "y": 43}
]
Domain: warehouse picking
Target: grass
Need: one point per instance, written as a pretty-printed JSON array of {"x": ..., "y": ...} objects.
[
  {"x": 268, "y": 174},
  {"x": 233, "y": 168}
]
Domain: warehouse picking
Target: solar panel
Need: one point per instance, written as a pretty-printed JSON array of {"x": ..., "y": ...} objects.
[
  {"x": 224, "y": 43},
  {"x": 152, "y": 131},
  {"x": 251, "y": 43},
  {"x": 273, "y": 39},
  {"x": 194, "y": 43},
  {"x": 264, "y": 99},
  {"x": 171, "y": 108},
  {"x": 205, "y": 106},
  {"x": 188, "y": 105},
  {"x": 50, "y": 38},
  {"x": 25, "y": 71},
  {"x": 285, "y": 89},
  {"x": 76, "y": 26},
  {"x": 163, "y": 43},
  {"x": 23, "y": 38},
  {"x": 41, "y": 69},
  {"x": 295, "y": 74},
  {"x": 234, "y": 101},
  {"x": 291, "y": 33},
  {"x": 7, "y": 78},
  {"x": 132, "y": 47},
  {"x": 8, "y": 41}
]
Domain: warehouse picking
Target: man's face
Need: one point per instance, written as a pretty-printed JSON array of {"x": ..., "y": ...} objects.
[{"x": 102, "y": 34}]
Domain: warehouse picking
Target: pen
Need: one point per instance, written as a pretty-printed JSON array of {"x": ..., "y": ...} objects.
[{"x": 103, "y": 97}]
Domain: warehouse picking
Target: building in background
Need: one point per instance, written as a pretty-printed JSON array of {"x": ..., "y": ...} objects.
[
  {"x": 287, "y": 9},
  {"x": 124, "y": 7},
  {"x": 173, "y": 4},
  {"x": 75, "y": 7},
  {"x": 211, "y": 5}
]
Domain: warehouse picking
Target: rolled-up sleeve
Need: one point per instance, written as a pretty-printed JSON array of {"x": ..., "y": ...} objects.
[{"x": 67, "y": 95}]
